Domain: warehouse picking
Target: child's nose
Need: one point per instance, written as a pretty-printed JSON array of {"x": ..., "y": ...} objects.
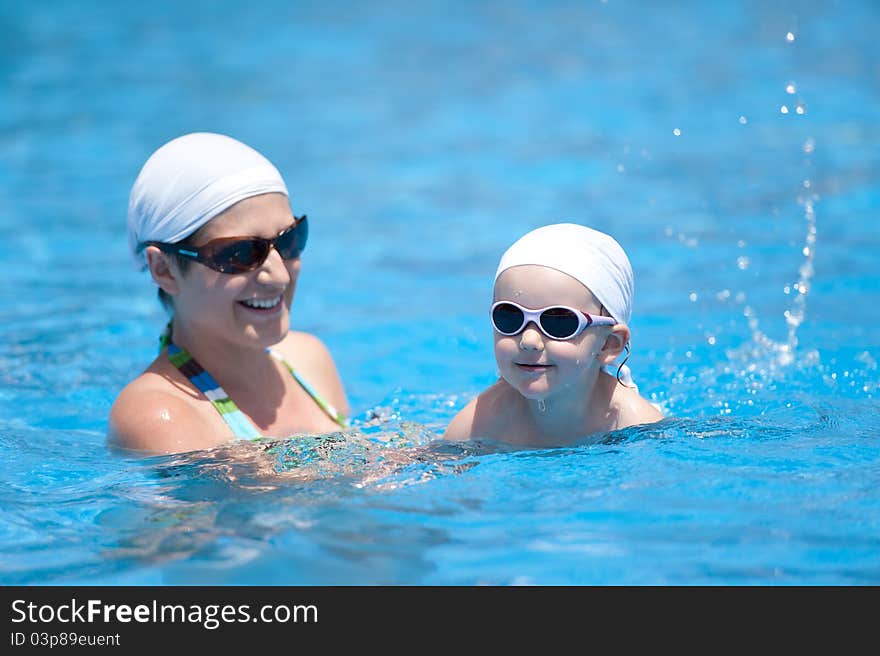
[{"x": 531, "y": 338}]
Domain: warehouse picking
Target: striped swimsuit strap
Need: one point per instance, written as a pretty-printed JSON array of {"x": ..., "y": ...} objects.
[
  {"x": 240, "y": 425},
  {"x": 322, "y": 403}
]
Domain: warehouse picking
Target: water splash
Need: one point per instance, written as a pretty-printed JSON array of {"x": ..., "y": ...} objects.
[
  {"x": 780, "y": 354},
  {"x": 783, "y": 352}
]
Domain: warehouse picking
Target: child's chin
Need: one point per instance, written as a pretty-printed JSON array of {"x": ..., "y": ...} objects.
[{"x": 533, "y": 390}]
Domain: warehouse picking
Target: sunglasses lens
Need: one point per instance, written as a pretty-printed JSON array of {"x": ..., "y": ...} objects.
[
  {"x": 239, "y": 255},
  {"x": 292, "y": 243},
  {"x": 507, "y": 318},
  {"x": 559, "y": 322}
]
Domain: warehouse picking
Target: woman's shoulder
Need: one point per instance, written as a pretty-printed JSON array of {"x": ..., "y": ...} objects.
[
  {"x": 302, "y": 348},
  {"x": 156, "y": 414}
]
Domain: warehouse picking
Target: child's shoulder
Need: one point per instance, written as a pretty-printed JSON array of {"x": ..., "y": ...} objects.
[
  {"x": 633, "y": 408},
  {"x": 461, "y": 426},
  {"x": 486, "y": 415}
]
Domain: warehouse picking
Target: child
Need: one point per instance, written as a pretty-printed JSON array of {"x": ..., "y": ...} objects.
[{"x": 563, "y": 298}]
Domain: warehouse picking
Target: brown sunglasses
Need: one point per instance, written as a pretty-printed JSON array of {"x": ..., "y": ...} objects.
[{"x": 242, "y": 254}]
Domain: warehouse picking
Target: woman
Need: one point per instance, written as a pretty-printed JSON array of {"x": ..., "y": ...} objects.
[{"x": 211, "y": 220}]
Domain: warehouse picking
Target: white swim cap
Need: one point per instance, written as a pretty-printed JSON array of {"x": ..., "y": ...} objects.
[
  {"x": 591, "y": 257},
  {"x": 189, "y": 181}
]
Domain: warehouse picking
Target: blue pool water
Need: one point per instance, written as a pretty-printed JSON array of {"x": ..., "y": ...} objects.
[{"x": 422, "y": 138}]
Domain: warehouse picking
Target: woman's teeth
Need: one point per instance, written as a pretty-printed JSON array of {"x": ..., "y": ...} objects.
[{"x": 263, "y": 304}]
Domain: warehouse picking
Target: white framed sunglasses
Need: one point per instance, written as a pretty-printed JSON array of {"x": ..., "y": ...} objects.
[{"x": 555, "y": 321}]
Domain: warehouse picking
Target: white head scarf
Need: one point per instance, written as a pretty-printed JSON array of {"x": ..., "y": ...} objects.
[
  {"x": 189, "y": 181},
  {"x": 591, "y": 257}
]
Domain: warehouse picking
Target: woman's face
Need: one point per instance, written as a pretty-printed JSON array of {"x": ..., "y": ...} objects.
[
  {"x": 538, "y": 366},
  {"x": 253, "y": 306}
]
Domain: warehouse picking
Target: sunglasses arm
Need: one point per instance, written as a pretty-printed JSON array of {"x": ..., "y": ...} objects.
[{"x": 174, "y": 249}]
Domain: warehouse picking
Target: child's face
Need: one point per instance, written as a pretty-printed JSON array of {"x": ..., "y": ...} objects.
[{"x": 532, "y": 363}]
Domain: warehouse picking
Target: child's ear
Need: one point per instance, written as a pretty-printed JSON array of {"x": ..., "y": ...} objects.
[
  {"x": 614, "y": 343},
  {"x": 164, "y": 273}
]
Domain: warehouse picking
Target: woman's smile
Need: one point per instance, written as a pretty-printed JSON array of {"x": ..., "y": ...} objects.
[{"x": 263, "y": 306}]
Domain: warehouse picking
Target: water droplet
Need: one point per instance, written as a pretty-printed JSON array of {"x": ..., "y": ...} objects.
[
  {"x": 676, "y": 132},
  {"x": 789, "y": 37},
  {"x": 784, "y": 109},
  {"x": 791, "y": 88},
  {"x": 743, "y": 120},
  {"x": 800, "y": 109},
  {"x": 806, "y": 184},
  {"x": 542, "y": 407},
  {"x": 806, "y": 251},
  {"x": 809, "y": 145},
  {"x": 743, "y": 262},
  {"x": 693, "y": 297},
  {"x": 711, "y": 340},
  {"x": 786, "y": 289}
]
